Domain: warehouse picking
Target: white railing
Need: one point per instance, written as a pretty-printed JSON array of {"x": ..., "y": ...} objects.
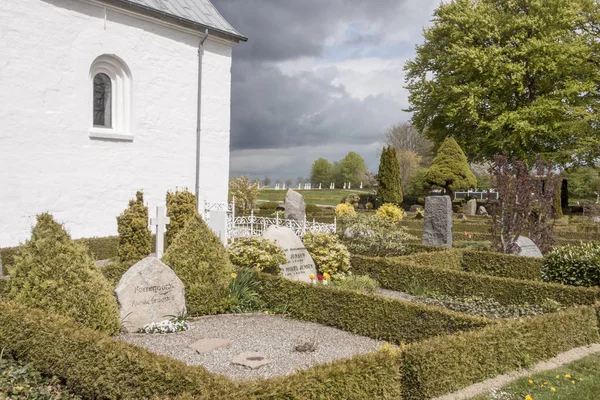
[{"x": 252, "y": 225}]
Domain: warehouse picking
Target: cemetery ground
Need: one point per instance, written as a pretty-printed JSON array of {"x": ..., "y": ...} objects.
[
  {"x": 324, "y": 196},
  {"x": 449, "y": 318}
]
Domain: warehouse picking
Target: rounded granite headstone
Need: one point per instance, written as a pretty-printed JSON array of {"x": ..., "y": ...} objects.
[
  {"x": 149, "y": 292},
  {"x": 295, "y": 206},
  {"x": 300, "y": 264}
]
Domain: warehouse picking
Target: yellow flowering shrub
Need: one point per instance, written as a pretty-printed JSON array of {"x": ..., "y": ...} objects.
[
  {"x": 390, "y": 213},
  {"x": 329, "y": 254},
  {"x": 256, "y": 253},
  {"x": 344, "y": 209}
]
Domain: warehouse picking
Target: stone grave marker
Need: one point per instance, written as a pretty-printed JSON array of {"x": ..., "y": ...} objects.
[
  {"x": 525, "y": 247},
  {"x": 471, "y": 207},
  {"x": 295, "y": 207},
  {"x": 149, "y": 292},
  {"x": 437, "y": 223},
  {"x": 300, "y": 264}
]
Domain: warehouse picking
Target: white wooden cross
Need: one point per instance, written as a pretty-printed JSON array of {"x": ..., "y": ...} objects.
[{"x": 160, "y": 222}]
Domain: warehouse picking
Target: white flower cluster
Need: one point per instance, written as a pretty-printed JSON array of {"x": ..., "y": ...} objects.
[{"x": 165, "y": 326}]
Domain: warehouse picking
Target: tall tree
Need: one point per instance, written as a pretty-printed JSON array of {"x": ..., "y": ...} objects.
[
  {"x": 321, "y": 171},
  {"x": 288, "y": 182},
  {"x": 266, "y": 181},
  {"x": 245, "y": 193},
  {"x": 351, "y": 166},
  {"x": 518, "y": 77},
  {"x": 450, "y": 170},
  {"x": 388, "y": 177},
  {"x": 405, "y": 136}
]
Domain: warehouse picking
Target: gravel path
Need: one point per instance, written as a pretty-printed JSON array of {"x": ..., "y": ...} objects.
[{"x": 273, "y": 336}]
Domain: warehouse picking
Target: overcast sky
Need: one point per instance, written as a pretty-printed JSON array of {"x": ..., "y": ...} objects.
[{"x": 317, "y": 78}]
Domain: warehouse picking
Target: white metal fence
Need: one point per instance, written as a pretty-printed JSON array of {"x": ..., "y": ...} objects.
[{"x": 250, "y": 225}]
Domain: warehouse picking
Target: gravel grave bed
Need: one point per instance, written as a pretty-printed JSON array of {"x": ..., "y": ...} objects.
[{"x": 273, "y": 336}]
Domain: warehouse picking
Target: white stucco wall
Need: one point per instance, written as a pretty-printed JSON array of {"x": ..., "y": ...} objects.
[{"x": 48, "y": 162}]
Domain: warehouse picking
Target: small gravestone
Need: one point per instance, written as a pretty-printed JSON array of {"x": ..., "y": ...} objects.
[
  {"x": 300, "y": 264},
  {"x": 525, "y": 247},
  {"x": 483, "y": 211},
  {"x": 437, "y": 224},
  {"x": 204, "y": 346},
  {"x": 149, "y": 292},
  {"x": 250, "y": 360},
  {"x": 295, "y": 207},
  {"x": 471, "y": 207}
]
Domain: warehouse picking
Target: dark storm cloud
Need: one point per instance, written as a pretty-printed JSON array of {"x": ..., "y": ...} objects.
[{"x": 272, "y": 110}]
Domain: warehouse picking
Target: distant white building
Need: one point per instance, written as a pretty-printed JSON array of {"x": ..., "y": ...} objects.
[{"x": 99, "y": 99}]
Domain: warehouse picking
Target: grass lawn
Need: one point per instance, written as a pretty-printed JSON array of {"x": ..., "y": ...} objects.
[
  {"x": 325, "y": 197},
  {"x": 579, "y": 380}
]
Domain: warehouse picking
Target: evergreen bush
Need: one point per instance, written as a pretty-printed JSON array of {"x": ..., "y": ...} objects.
[
  {"x": 135, "y": 239},
  {"x": 199, "y": 259},
  {"x": 390, "y": 212},
  {"x": 330, "y": 256},
  {"x": 56, "y": 274},
  {"x": 344, "y": 209},
  {"x": 389, "y": 178},
  {"x": 450, "y": 169},
  {"x": 181, "y": 206},
  {"x": 256, "y": 253},
  {"x": 577, "y": 265},
  {"x": 369, "y": 234}
]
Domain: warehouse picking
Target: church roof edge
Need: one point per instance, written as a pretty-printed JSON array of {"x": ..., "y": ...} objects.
[{"x": 195, "y": 14}]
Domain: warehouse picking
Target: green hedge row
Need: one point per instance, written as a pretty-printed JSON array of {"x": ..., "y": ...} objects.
[
  {"x": 363, "y": 314},
  {"x": 398, "y": 274},
  {"x": 448, "y": 363},
  {"x": 444, "y": 258},
  {"x": 502, "y": 265}
]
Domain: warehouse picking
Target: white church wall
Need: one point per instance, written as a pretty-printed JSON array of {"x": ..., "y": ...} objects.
[{"x": 48, "y": 162}]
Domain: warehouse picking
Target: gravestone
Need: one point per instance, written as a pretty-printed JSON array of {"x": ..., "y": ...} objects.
[
  {"x": 471, "y": 207},
  {"x": 300, "y": 264},
  {"x": 149, "y": 292},
  {"x": 437, "y": 224},
  {"x": 295, "y": 207},
  {"x": 483, "y": 211},
  {"x": 525, "y": 247}
]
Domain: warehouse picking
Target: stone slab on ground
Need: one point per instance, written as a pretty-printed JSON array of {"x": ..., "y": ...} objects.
[
  {"x": 250, "y": 359},
  {"x": 300, "y": 264},
  {"x": 471, "y": 207},
  {"x": 149, "y": 292},
  {"x": 295, "y": 206},
  {"x": 437, "y": 223},
  {"x": 203, "y": 346},
  {"x": 502, "y": 380},
  {"x": 273, "y": 336}
]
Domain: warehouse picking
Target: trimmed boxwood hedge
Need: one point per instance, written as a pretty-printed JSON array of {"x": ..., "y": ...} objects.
[
  {"x": 364, "y": 314},
  {"x": 445, "y": 258},
  {"x": 503, "y": 265},
  {"x": 448, "y": 363},
  {"x": 398, "y": 274}
]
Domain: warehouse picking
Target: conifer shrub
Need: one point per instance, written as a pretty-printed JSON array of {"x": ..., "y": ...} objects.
[
  {"x": 181, "y": 206},
  {"x": 389, "y": 178},
  {"x": 390, "y": 212},
  {"x": 56, "y": 274},
  {"x": 256, "y": 253},
  {"x": 329, "y": 254},
  {"x": 199, "y": 259},
  {"x": 450, "y": 169},
  {"x": 135, "y": 239}
]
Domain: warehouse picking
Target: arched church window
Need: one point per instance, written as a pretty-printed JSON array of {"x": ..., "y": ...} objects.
[
  {"x": 102, "y": 95},
  {"x": 110, "y": 99}
]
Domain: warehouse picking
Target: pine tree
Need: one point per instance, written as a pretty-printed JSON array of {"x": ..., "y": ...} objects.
[
  {"x": 450, "y": 170},
  {"x": 388, "y": 178}
]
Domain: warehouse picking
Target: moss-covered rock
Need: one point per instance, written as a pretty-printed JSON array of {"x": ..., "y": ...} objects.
[
  {"x": 199, "y": 259},
  {"x": 56, "y": 274}
]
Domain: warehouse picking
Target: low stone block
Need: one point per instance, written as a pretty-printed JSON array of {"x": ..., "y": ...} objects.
[
  {"x": 250, "y": 360},
  {"x": 437, "y": 225},
  {"x": 204, "y": 346}
]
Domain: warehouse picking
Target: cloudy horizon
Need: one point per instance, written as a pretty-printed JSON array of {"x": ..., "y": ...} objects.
[{"x": 317, "y": 79}]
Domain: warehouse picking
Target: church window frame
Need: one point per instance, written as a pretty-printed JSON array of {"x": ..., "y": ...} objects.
[{"x": 110, "y": 99}]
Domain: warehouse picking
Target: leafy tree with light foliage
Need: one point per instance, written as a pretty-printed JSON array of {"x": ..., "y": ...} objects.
[
  {"x": 245, "y": 193},
  {"x": 450, "y": 170},
  {"x": 321, "y": 172},
  {"x": 515, "y": 77},
  {"x": 351, "y": 166}
]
